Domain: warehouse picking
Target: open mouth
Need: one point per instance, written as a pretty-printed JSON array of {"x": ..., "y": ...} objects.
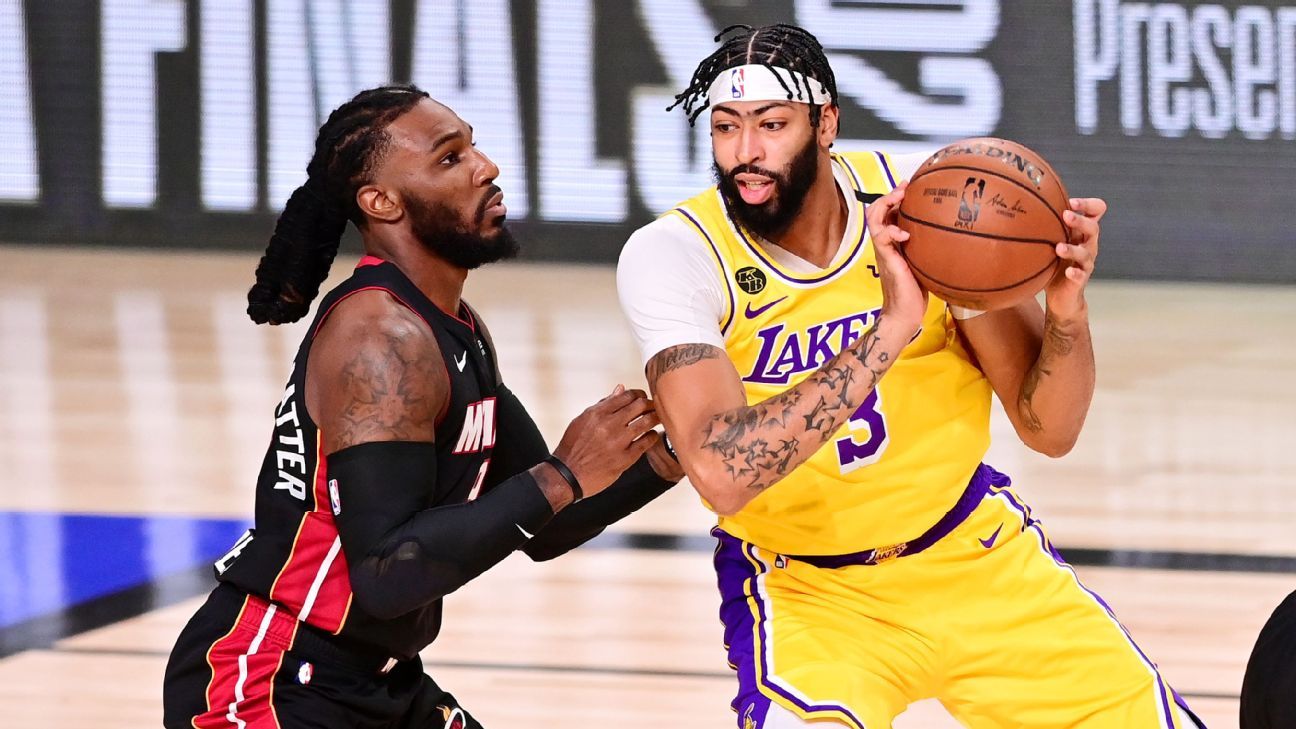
[{"x": 754, "y": 189}]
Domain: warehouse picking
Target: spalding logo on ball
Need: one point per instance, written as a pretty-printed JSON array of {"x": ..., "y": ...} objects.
[{"x": 983, "y": 217}]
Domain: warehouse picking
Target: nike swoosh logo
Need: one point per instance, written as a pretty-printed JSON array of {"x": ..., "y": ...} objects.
[
  {"x": 525, "y": 533},
  {"x": 461, "y": 362},
  {"x": 753, "y": 313},
  {"x": 988, "y": 543}
]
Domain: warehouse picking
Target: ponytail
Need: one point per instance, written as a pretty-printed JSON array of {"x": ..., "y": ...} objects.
[
  {"x": 309, "y": 230},
  {"x": 298, "y": 257}
]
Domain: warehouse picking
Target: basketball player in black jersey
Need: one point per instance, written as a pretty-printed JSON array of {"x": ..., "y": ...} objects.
[
  {"x": 1268, "y": 699},
  {"x": 401, "y": 466}
]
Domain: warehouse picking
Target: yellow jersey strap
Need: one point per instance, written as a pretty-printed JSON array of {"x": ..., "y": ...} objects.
[{"x": 691, "y": 219}]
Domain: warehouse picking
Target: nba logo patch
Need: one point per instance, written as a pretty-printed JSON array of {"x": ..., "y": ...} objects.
[
  {"x": 334, "y": 500},
  {"x": 304, "y": 673},
  {"x": 736, "y": 83}
]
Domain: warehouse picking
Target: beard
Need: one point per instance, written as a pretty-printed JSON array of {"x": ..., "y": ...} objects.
[
  {"x": 439, "y": 229},
  {"x": 791, "y": 185}
]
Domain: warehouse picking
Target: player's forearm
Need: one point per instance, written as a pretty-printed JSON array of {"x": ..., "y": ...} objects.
[
  {"x": 749, "y": 449},
  {"x": 1057, "y": 390},
  {"x": 438, "y": 550},
  {"x": 585, "y": 520}
]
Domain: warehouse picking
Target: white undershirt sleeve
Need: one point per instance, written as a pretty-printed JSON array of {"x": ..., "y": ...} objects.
[{"x": 670, "y": 288}]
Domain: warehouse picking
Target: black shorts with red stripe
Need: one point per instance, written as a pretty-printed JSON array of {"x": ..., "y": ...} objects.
[{"x": 247, "y": 663}]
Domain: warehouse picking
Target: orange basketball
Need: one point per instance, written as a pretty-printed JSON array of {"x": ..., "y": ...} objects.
[{"x": 984, "y": 216}]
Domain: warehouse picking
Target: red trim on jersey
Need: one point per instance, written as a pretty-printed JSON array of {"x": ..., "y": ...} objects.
[
  {"x": 369, "y": 261},
  {"x": 329, "y": 311},
  {"x": 470, "y": 322},
  {"x": 314, "y": 552},
  {"x": 244, "y": 663}
]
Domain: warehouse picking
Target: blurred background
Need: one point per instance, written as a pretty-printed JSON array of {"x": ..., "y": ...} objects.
[
  {"x": 186, "y": 123},
  {"x": 146, "y": 147}
]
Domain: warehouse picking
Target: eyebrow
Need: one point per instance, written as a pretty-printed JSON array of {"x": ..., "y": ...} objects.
[
  {"x": 754, "y": 112},
  {"x": 448, "y": 136}
]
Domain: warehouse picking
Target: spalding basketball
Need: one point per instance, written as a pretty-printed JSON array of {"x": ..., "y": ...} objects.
[{"x": 984, "y": 217}]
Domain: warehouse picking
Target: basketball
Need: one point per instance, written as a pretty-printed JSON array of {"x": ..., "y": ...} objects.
[{"x": 983, "y": 216}]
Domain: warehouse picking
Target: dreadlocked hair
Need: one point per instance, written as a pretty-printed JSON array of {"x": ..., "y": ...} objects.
[
  {"x": 783, "y": 45},
  {"x": 347, "y": 150}
]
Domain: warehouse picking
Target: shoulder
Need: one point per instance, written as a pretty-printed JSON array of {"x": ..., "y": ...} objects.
[
  {"x": 906, "y": 164},
  {"x": 375, "y": 318},
  {"x": 900, "y": 165},
  {"x": 668, "y": 246},
  {"x": 668, "y": 256},
  {"x": 368, "y": 377},
  {"x": 670, "y": 234}
]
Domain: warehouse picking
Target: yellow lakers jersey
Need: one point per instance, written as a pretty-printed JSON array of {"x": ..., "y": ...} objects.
[{"x": 906, "y": 454}]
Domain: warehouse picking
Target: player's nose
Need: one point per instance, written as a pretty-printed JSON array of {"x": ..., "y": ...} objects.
[
  {"x": 486, "y": 172},
  {"x": 749, "y": 149}
]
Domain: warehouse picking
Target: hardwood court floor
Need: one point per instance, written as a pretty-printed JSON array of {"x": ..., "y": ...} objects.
[{"x": 131, "y": 383}]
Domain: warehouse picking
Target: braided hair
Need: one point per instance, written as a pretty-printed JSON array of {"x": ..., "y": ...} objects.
[
  {"x": 348, "y": 148},
  {"x": 784, "y": 45}
]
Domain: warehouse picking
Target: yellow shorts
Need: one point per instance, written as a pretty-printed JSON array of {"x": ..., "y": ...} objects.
[{"x": 989, "y": 620}]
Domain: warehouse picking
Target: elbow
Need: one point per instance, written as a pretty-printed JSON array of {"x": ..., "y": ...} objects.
[
  {"x": 725, "y": 506},
  {"x": 1053, "y": 447},
  {"x": 384, "y": 597},
  {"x": 721, "y": 494}
]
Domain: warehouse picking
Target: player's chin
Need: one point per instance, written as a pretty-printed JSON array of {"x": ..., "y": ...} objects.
[{"x": 491, "y": 228}]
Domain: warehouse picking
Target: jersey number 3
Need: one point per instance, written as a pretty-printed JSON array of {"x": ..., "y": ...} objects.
[{"x": 867, "y": 440}]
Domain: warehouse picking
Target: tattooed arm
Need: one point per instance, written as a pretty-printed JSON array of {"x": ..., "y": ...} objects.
[
  {"x": 375, "y": 375},
  {"x": 732, "y": 451},
  {"x": 376, "y": 385},
  {"x": 372, "y": 375},
  {"x": 1040, "y": 362}
]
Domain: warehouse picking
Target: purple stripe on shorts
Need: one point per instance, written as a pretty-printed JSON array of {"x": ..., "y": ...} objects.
[
  {"x": 733, "y": 573},
  {"x": 737, "y": 574},
  {"x": 1031, "y": 523}
]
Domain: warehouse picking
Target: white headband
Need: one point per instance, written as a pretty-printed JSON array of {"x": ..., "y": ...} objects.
[{"x": 756, "y": 82}]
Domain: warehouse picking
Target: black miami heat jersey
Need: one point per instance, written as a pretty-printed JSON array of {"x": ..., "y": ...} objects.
[{"x": 293, "y": 555}]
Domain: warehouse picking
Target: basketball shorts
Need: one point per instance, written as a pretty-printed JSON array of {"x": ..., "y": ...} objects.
[
  {"x": 1269, "y": 687},
  {"x": 989, "y": 620},
  {"x": 242, "y": 663}
]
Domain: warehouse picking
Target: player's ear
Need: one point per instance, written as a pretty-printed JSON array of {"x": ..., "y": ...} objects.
[
  {"x": 829, "y": 116},
  {"x": 379, "y": 203}
]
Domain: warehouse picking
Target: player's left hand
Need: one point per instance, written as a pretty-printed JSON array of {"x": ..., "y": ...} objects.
[{"x": 1064, "y": 295}]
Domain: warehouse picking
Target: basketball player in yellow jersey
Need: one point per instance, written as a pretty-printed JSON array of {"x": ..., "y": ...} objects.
[{"x": 834, "y": 416}]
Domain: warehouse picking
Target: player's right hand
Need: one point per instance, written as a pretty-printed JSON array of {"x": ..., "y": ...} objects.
[
  {"x": 904, "y": 301},
  {"x": 608, "y": 437}
]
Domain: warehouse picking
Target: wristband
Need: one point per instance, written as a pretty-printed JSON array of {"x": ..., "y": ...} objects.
[{"x": 567, "y": 475}]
